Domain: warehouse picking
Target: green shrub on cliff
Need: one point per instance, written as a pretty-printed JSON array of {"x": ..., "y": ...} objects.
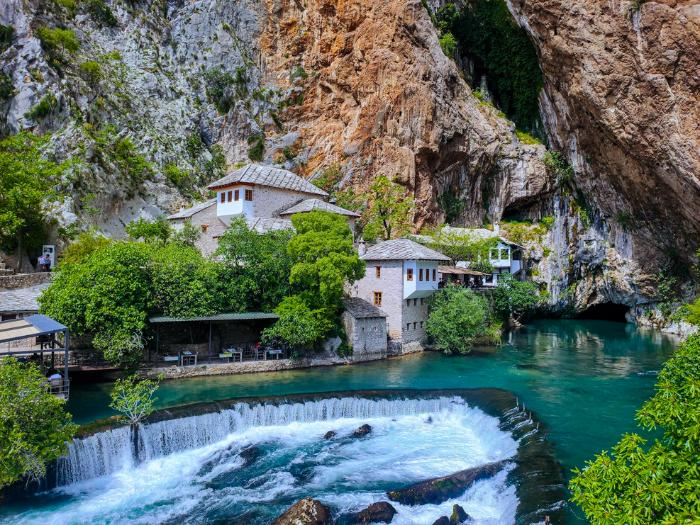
[
  {"x": 43, "y": 109},
  {"x": 58, "y": 40},
  {"x": 642, "y": 483}
]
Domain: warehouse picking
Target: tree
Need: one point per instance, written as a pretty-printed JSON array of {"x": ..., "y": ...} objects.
[
  {"x": 512, "y": 298},
  {"x": 133, "y": 398},
  {"x": 34, "y": 426},
  {"x": 109, "y": 295},
  {"x": 299, "y": 328},
  {"x": 389, "y": 213},
  {"x": 80, "y": 249},
  {"x": 26, "y": 181},
  {"x": 457, "y": 317},
  {"x": 637, "y": 483},
  {"x": 257, "y": 266},
  {"x": 324, "y": 258},
  {"x": 461, "y": 245},
  {"x": 188, "y": 235},
  {"x": 157, "y": 230}
]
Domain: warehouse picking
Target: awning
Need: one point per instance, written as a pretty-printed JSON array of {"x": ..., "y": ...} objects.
[
  {"x": 453, "y": 270},
  {"x": 245, "y": 316},
  {"x": 32, "y": 326}
]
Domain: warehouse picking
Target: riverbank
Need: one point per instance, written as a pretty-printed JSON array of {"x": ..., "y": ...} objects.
[{"x": 273, "y": 365}]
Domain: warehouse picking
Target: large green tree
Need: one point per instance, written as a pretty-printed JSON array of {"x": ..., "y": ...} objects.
[
  {"x": 324, "y": 258},
  {"x": 389, "y": 211},
  {"x": 257, "y": 266},
  {"x": 34, "y": 426},
  {"x": 642, "y": 483},
  {"x": 299, "y": 328},
  {"x": 457, "y": 318},
  {"x": 27, "y": 180},
  {"x": 512, "y": 299}
]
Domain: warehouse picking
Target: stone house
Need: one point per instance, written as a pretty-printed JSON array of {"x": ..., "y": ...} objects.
[
  {"x": 265, "y": 196},
  {"x": 400, "y": 277},
  {"x": 366, "y": 328}
]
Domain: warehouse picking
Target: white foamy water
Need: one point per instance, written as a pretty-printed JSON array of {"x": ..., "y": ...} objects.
[{"x": 193, "y": 472}]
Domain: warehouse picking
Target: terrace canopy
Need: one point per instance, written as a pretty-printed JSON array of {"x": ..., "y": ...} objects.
[{"x": 32, "y": 336}]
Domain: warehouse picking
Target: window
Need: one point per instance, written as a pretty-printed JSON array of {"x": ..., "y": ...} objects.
[
  {"x": 409, "y": 274},
  {"x": 421, "y": 324},
  {"x": 378, "y": 272},
  {"x": 414, "y": 325},
  {"x": 223, "y": 196},
  {"x": 230, "y": 196},
  {"x": 236, "y": 195},
  {"x": 434, "y": 274},
  {"x": 493, "y": 253},
  {"x": 377, "y": 298},
  {"x": 420, "y": 274},
  {"x": 408, "y": 326},
  {"x": 249, "y": 195},
  {"x": 415, "y": 302},
  {"x": 505, "y": 253}
]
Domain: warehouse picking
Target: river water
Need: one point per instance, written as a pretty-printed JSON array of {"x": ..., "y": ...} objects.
[{"x": 584, "y": 380}]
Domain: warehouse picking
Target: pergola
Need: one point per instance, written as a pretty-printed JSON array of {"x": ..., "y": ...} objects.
[{"x": 43, "y": 330}]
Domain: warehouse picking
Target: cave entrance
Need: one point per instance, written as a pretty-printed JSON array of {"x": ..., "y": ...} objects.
[{"x": 606, "y": 312}]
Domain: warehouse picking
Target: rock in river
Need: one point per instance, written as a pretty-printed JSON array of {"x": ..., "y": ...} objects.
[
  {"x": 329, "y": 435},
  {"x": 380, "y": 512},
  {"x": 442, "y": 520},
  {"x": 459, "y": 515},
  {"x": 305, "y": 512},
  {"x": 438, "y": 490},
  {"x": 362, "y": 431}
]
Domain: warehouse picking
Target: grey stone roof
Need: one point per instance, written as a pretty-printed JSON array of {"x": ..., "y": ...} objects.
[
  {"x": 189, "y": 212},
  {"x": 268, "y": 176},
  {"x": 401, "y": 250},
  {"x": 21, "y": 299},
  {"x": 317, "y": 204},
  {"x": 361, "y": 309}
]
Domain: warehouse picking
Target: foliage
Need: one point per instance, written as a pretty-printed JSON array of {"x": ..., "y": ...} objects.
[
  {"x": 157, "y": 230},
  {"x": 133, "y": 398},
  {"x": 256, "y": 151},
  {"x": 639, "y": 483},
  {"x": 58, "y": 40},
  {"x": 257, "y": 265},
  {"x": 194, "y": 144},
  {"x": 108, "y": 295},
  {"x": 6, "y": 88},
  {"x": 526, "y": 138},
  {"x": 324, "y": 258},
  {"x": 34, "y": 426},
  {"x": 82, "y": 247},
  {"x": 557, "y": 164},
  {"x": 100, "y": 12},
  {"x": 451, "y": 205},
  {"x": 693, "y": 313},
  {"x": 69, "y": 5},
  {"x": 460, "y": 245},
  {"x": 329, "y": 178},
  {"x": 486, "y": 31},
  {"x": 547, "y": 221},
  {"x": 448, "y": 43},
  {"x": 114, "y": 151},
  {"x": 188, "y": 235},
  {"x": 457, "y": 317},
  {"x": 299, "y": 328},
  {"x": 298, "y": 73},
  {"x": 26, "y": 180},
  {"x": 44, "y": 108},
  {"x": 513, "y": 298},
  {"x": 219, "y": 89},
  {"x": 524, "y": 232},
  {"x": 389, "y": 213},
  {"x": 181, "y": 179},
  {"x": 91, "y": 71},
  {"x": 6, "y": 34}
]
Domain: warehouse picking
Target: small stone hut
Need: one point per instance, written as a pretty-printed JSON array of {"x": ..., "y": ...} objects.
[{"x": 365, "y": 326}]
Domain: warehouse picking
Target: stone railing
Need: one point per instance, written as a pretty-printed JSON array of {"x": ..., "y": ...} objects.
[{"x": 23, "y": 280}]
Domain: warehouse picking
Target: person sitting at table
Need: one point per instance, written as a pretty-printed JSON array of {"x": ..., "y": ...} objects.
[{"x": 55, "y": 381}]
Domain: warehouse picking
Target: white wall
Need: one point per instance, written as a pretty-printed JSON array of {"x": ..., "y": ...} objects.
[
  {"x": 239, "y": 207},
  {"x": 420, "y": 288}
]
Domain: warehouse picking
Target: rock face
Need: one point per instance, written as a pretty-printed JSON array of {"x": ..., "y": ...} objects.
[
  {"x": 622, "y": 99},
  {"x": 305, "y": 512},
  {"x": 382, "y": 98},
  {"x": 437, "y": 490}
]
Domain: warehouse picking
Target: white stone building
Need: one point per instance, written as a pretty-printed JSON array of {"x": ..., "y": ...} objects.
[
  {"x": 265, "y": 196},
  {"x": 400, "y": 277}
]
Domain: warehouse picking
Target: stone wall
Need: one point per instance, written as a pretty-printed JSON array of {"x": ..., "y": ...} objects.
[
  {"x": 365, "y": 335},
  {"x": 23, "y": 280},
  {"x": 415, "y": 313},
  {"x": 390, "y": 284}
]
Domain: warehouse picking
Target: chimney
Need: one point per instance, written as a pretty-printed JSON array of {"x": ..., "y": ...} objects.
[
  {"x": 496, "y": 228},
  {"x": 361, "y": 247}
]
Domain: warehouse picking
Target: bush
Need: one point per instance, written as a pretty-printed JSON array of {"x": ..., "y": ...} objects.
[
  {"x": 6, "y": 33},
  {"x": 448, "y": 43},
  {"x": 179, "y": 178},
  {"x": 299, "y": 328},
  {"x": 54, "y": 40},
  {"x": 91, "y": 71},
  {"x": 100, "y": 12},
  {"x": 557, "y": 164},
  {"x": 218, "y": 85},
  {"x": 35, "y": 427},
  {"x": 158, "y": 230},
  {"x": 637, "y": 483},
  {"x": 256, "y": 151},
  {"x": 82, "y": 247},
  {"x": 457, "y": 317},
  {"x": 194, "y": 144},
  {"x": 526, "y": 138},
  {"x": 43, "y": 109},
  {"x": 7, "y": 90},
  {"x": 513, "y": 298}
]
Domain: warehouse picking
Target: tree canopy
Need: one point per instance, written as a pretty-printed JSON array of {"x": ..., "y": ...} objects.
[
  {"x": 133, "y": 398},
  {"x": 640, "y": 483},
  {"x": 26, "y": 182},
  {"x": 34, "y": 426},
  {"x": 457, "y": 317},
  {"x": 389, "y": 212},
  {"x": 513, "y": 298}
]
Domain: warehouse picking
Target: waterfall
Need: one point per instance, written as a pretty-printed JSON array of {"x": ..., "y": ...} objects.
[{"x": 110, "y": 451}]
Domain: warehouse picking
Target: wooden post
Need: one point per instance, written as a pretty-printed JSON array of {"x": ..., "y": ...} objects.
[{"x": 210, "y": 338}]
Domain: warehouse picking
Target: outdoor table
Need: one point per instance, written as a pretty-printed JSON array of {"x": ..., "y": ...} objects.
[{"x": 226, "y": 355}]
